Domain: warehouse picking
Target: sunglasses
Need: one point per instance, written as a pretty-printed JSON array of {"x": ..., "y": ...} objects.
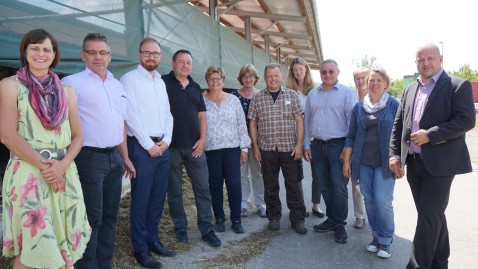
[{"x": 324, "y": 72}]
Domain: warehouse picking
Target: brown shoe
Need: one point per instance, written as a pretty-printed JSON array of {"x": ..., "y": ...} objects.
[{"x": 359, "y": 223}]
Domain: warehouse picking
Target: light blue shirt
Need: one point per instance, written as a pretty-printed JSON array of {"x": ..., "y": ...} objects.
[
  {"x": 102, "y": 108},
  {"x": 327, "y": 113}
]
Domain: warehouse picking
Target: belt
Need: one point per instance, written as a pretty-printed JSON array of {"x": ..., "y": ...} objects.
[
  {"x": 416, "y": 156},
  {"x": 332, "y": 140},
  {"x": 100, "y": 150},
  {"x": 55, "y": 154},
  {"x": 156, "y": 139}
]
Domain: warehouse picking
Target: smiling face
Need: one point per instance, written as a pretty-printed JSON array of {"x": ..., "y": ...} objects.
[
  {"x": 273, "y": 78},
  {"x": 329, "y": 74},
  {"x": 182, "y": 65},
  {"x": 150, "y": 62},
  {"x": 215, "y": 82},
  {"x": 376, "y": 84},
  {"x": 360, "y": 80},
  {"x": 248, "y": 80},
  {"x": 96, "y": 56},
  {"x": 428, "y": 61},
  {"x": 40, "y": 57}
]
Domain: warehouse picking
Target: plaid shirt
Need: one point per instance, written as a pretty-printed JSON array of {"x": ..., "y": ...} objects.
[{"x": 276, "y": 121}]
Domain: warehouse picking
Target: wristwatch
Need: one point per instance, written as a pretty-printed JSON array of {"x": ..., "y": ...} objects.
[{"x": 246, "y": 150}]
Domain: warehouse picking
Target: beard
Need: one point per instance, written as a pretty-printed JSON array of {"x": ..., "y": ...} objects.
[{"x": 150, "y": 65}]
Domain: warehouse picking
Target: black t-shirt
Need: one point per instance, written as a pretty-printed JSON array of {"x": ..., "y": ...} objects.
[{"x": 185, "y": 103}]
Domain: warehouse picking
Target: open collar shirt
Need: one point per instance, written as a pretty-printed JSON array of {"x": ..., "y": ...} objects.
[
  {"x": 327, "y": 113},
  {"x": 421, "y": 99},
  {"x": 276, "y": 121},
  {"x": 148, "y": 107},
  {"x": 102, "y": 108}
]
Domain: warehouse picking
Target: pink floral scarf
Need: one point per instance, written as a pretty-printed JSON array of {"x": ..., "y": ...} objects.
[{"x": 47, "y": 97}]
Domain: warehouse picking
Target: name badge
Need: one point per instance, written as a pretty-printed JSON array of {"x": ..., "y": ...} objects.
[{"x": 287, "y": 102}]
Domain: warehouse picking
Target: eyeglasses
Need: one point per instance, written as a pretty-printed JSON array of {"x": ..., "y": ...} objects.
[
  {"x": 360, "y": 78},
  {"x": 102, "y": 53},
  {"x": 324, "y": 72},
  {"x": 214, "y": 79},
  {"x": 248, "y": 77},
  {"x": 155, "y": 54}
]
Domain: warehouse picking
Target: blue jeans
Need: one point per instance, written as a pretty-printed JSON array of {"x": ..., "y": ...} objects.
[
  {"x": 225, "y": 164},
  {"x": 196, "y": 169},
  {"x": 101, "y": 176},
  {"x": 378, "y": 195},
  {"x": 327, "y": 166},
  {"x": 148, "y": 194}
]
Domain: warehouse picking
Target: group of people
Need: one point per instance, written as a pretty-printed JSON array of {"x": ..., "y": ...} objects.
[{"x": 72, "y": 140}]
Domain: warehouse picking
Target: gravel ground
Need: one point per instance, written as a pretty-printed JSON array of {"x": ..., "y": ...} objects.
[{"x": 236, "y": 250}]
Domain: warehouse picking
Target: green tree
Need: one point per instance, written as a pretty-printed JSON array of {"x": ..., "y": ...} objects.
[
  {"x": 396, "y": 88},
  {"x": 466, "y": 72},
  {"x": 366, "y": 61}
]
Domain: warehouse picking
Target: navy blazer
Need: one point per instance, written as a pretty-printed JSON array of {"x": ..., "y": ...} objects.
[
  {"x": 448, "y": 115},
  {"x": 358, "y": 131}
]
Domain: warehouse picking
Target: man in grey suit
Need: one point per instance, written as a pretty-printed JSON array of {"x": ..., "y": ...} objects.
[{"x": 428, "y": 136}]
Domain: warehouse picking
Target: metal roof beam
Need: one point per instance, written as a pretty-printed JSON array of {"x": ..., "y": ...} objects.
[
  {"x": 287, "y": 35},
  {"x": 285, "y": 45},
  {"x": 276, "y": 17}
]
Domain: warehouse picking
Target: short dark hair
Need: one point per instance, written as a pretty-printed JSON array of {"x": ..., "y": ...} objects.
[
  {"x": 182, "y": 51},
  {"x": 37, "y": 36},
  {"x": 148, "y": 39},
  {"x": 95, "y": 37}
]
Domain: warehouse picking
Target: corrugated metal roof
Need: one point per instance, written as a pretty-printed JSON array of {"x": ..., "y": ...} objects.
[{"x": 289, "y": 27}]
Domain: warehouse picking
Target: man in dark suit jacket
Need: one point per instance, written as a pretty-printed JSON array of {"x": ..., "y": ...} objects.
[{"x": 428, "y": 135}]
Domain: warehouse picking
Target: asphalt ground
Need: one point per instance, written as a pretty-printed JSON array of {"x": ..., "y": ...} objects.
[{"x": 287, "y": 249}]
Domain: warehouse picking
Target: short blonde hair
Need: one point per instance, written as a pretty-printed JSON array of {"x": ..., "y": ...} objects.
[
  {"x": 215, "y": 69},
  {"x": 248, "y": 69},
  {"x": 291, "y": 81},
  {"x": 382, "y": 73}
]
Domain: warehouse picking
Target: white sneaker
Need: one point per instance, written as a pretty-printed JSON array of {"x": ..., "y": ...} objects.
[
  {"x": 384, "y": 251},
  {"x": 373, "y": 246}
]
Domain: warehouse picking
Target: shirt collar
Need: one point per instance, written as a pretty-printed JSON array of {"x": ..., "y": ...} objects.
[
  {"x": 146, "y": 73},
  {"x": 335, "y": 87},
  {"x": 109, "y": 75},
  {"x": 433, "y": 79}
]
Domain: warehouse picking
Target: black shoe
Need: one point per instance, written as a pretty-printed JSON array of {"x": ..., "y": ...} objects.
[
  {"x": 307, "y": 214},
  {"x": 318, "y": 213},
  {"x": 182, "y": 237},
  {"x": 211, "y": 239},
  {"x": 158, "y": 248},
  {"x": 340, "y": 234},
  {"x": 146, "y": 260},
  {"x": 327, "y": 225},
  {"x": 299, "y": 227},
  {"x": 219, "y": 226},
  {"x": 274, "y": 224},
  {"x": 237, "y": 227}
]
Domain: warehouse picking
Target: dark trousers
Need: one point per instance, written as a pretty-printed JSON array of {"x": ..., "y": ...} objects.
[
  {"x": 431, "y": 246},
  {"x": 224, "y": 165},
  {"x": 328, "y": 168},
  {"x": 272, "y": 162},
  {"x": 100, "y": 176},
  {"x": 196, "y": 168},
  {"x": 148, "y": 194}
]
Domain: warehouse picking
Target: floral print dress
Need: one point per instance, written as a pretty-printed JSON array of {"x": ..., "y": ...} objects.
[{"x": 49, "y": 229}]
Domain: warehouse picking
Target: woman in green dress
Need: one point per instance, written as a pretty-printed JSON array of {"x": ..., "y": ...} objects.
[{"x": 44, "y": 221}]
